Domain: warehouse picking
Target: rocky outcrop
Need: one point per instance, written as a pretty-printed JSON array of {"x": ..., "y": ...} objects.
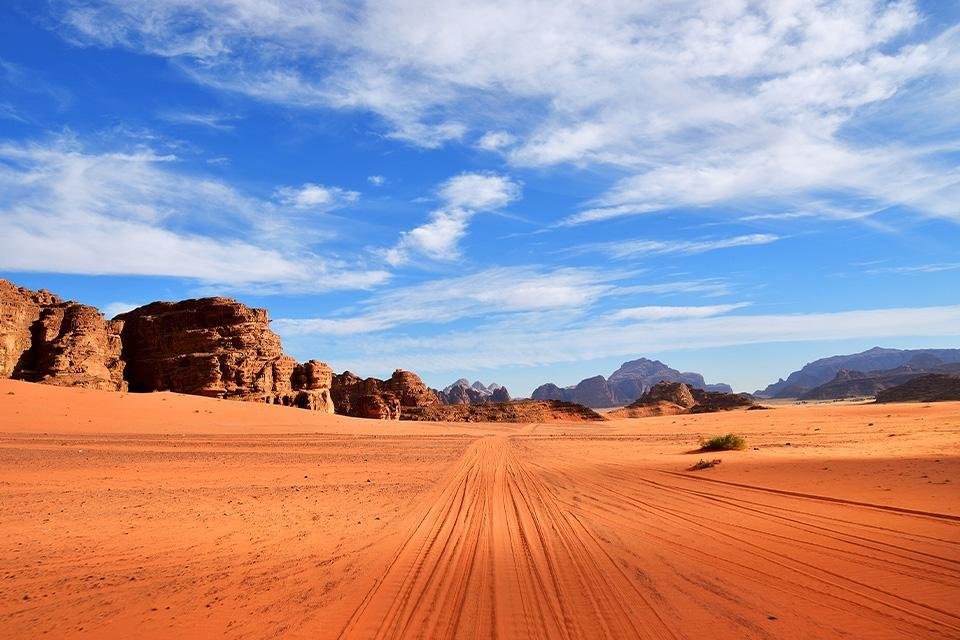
[
  {"x": 44, "y": 339},
  {"x": 820, "y": 372},
  {"x": 677, "y": 393},
  {"x": 380, "y": 399},
  {"x": 624, "y": 385},
  {"x": 462, "y": 392},
  {"x": 671, "y": 398},
  {"x": 220, "y": 348},
  {"x": 524, "y": 411},
  {"x": 934, "y": 387}
]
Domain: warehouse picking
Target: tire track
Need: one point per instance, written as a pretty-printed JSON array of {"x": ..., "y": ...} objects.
[{"x": 498, "y": 556}]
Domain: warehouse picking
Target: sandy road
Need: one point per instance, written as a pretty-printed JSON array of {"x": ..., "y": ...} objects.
[
  {"x": 516, "y": 544},
  {"x": 497, "y": 555}
]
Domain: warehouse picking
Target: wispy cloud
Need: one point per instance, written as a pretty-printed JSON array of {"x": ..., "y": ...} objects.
[
  {"x": 632, "y": 248},
  {"x": 211, "y": 120},
  {"x": 919, "y": 268},
  {"x": 67, "y": 209},
  {"x": 487, "y": 293},
  {"x": 669, "y": 313},
  {"x": 697, "y": 104},
  {"x": 461, "y": 197},
  {"x": 497, "y": 345}
]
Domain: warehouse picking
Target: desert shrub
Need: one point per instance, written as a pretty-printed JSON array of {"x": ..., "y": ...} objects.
[
  {"x": 729, "y": 442},
  {"x": 704, "y": 464}
]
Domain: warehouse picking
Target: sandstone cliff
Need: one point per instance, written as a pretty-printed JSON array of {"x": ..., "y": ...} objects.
[
  {"x": 44, "y": 339},
  {"x": 220, "y": 348},
  {"x": 383, "y": 399}
]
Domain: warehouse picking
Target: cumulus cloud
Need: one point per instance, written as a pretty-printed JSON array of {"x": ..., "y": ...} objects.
[
  {"x": 693, "y": 103},
  {"x": 461, "y": 197}
]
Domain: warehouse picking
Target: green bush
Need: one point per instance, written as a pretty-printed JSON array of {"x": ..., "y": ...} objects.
[{"x": 729, "y": 442}]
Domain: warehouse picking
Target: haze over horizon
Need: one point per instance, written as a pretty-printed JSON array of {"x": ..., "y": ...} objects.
[{"x": 509, "y": 193}]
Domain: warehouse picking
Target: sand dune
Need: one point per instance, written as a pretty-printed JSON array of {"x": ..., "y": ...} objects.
[{"x": 171, "y": 516}]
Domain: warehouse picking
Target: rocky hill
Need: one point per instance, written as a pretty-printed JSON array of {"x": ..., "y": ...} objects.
[
  {"x": 852, "y": 384},
  {"x": 624, "y": 385},
  {"x": 820, "y": 372},
  {"x": 934, "y": 387},
  {"x": 462, "y": 392},
  {"x": 671, "y": 398},
  {"x": 214, "y": 347},
  {"x": 515, "y": 411}
]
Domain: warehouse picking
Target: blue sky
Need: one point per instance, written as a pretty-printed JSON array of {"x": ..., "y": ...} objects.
[{"x": 519, "y": 192}]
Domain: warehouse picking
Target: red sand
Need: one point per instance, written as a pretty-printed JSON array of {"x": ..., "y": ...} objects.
[{"x": 156, "y": 516}]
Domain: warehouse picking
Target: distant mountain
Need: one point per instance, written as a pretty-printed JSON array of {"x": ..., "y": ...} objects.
[
  {"x": 820, "y": 372},
  {"x": 463, "y": 392},
  {"x": 851, "y": 384},
  {"x": 624, "y": 385},
  {"x": 934, "y": 387}
]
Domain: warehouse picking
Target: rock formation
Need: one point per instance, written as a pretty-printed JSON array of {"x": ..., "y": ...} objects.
[
  {"x": 382, "y": 399},
  {"x": 670, "y": 398},
  {"x": 462, "y": 392},
  {"x": 934, "y": 387},
  {"x": 822, "y": 371},
  {"x": 44, "y": 339},
  {"x": 220, "y": 348},
  {"x": 852, "y": 384},
  {"x": 624, "y": 385},
  {"x": 214, "y": 347}
]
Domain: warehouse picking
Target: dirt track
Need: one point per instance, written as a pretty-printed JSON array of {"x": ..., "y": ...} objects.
[{"x": 490, "y": 531}]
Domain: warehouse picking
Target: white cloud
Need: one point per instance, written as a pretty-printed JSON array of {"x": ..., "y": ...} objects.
[
  {"x": 316, "y": 196},
  {"x": 462, "y": 197},
  {"x": 497, "y": 345},
  {"x": 377, "y": 181},
  {"x": 479, "y": 191},
  {"x": 495, "y": 140},
  {"x": 631, "y": 248},
  {"x": 665, "y": 313},
  {"x": 217, "y": 121},
  {"x": 66, "y": 209},
  {"x": 698, "y": 103},
  {"x": 504, "y": 290},
  {"x": 919, "y": 268}
]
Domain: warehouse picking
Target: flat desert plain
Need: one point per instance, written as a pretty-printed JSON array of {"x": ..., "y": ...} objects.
[{"x": 165, "y": 516}]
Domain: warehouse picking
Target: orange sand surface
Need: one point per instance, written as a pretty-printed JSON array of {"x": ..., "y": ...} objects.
[{"x": 166, "y": 516}]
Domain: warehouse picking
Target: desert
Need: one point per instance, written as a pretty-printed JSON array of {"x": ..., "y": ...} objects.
[
  {"x": 165, "y": 515},
  {"x": 479, "y": 320}
]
